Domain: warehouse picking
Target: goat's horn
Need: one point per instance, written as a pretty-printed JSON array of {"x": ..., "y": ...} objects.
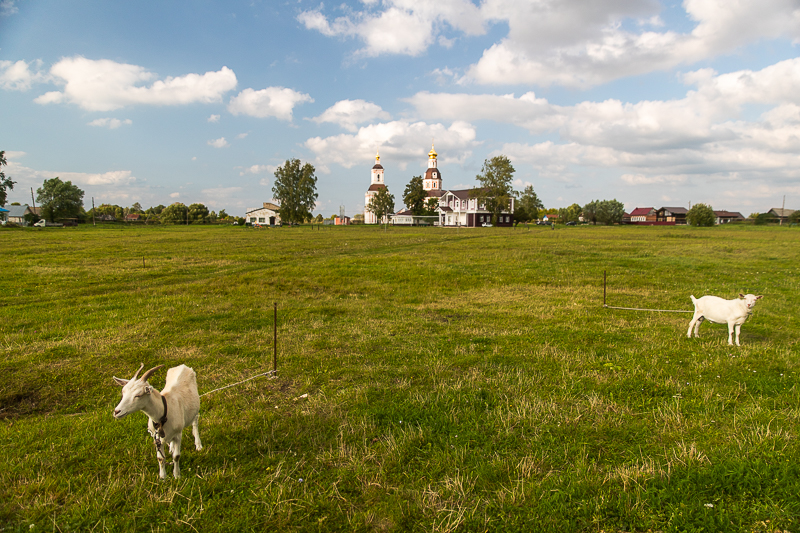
[
  {"x": 137, "y": 372},
  {"x": 150, "y": 372}
]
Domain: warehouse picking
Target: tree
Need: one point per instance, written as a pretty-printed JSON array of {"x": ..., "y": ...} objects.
[
  {"x": 569, "y": 214},
  {"x": 701, "y": 215},
  {"x": 136, "y": 208},
  {"x": 415, "y": 196},
  {"x": 529, "y": 204},
  {"x": 495, "y": 191},
  {"x": 766, "y": 218},
  {"x": 320, "y": 218},
  {"x": 794, "y": 218},
  {"x": 59, "y": 199},
  {"x": 175, "y": 213},
  {"x": 610, "y": 212},
  {"x": 5, "y": 182},
  {"x": 590, "y": 212},
  {"x": 430, "y": 206},
  {"x": 381, "y": 204},
  {"x": 198, "y": 214},
  {"x": 296, "y": 190},
  {"x": 222, "y": 214}
]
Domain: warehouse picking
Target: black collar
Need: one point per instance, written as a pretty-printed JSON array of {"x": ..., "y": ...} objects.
[{"x": 159, "y": 426}]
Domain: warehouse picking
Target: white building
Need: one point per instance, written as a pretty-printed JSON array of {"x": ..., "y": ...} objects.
[
  {"x": 265, "y": 215},
  {"x": 376, "y": 184},
  {"x": 455, "y": 208}
]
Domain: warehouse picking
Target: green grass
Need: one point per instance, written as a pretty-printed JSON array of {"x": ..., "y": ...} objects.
[{"x": 457, "y": 380}]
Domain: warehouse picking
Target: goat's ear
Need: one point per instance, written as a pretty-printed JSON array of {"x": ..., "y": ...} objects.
[
  {"x": 741, "y": 295},
  {"x": 120, "y": 382},
  {"x": 147, "y": 389},
  {"x": 759, "y": 297}
]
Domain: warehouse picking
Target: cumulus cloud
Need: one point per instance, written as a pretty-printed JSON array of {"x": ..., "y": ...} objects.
[
  {"x": 17, "y": 75},
  {"x": 7, "y": 8},
  {"x": 400, "y": 26},
  {"x": 29, "y": 177},
  {"x": 570, "y": 42},
  {"x": 349, "y": 113},
  {"x": 278, "y": 102},
  {"x": 653, "y": 143},
  {"x": 213, "y": 118},
  {"x": 257, "y": 169},
  {"x": 398, "y": 140},
  {"x": 110, "y": 123},
  {"x": 219, "y": 143},
  {"x": 105, "y": 85}
]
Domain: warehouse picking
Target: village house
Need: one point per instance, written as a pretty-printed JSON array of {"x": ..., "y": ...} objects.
[
  {"x": 675, "y": 215},
  {"x": 643, "y": 214},
  {"x": 780, "y": 213},
  {"x": 267, "y": 214},
  {"x": 16, "y": 213},
  {"x": 726, "y": 217}
]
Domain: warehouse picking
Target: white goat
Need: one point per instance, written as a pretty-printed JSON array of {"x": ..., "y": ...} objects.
[
  {"x": 169, "y": 411},
  {"x": 720, "y": 311}
]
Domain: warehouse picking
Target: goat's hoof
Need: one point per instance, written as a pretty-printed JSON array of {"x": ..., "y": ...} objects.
[{"x": 198, "y": 447}]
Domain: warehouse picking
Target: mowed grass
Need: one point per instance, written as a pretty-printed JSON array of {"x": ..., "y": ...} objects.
[{"x": 456, "y": 380}]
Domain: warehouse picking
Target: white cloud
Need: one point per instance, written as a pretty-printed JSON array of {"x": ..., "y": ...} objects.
[
  {"x": 105, "y": 85},
  {"x": 579, "y": 44},
  {"x": 277, "y": 102},
  {"x": 221, "y": 192},
  {"x": 257, "y": 169},
  {"x": 219, "y": 143},
  {"x": 400, "y": 141},
  {"x": 653, "y": 143},
  {"x": 7, "y": 8},
  {"x": 242, "y": 135},
  {"x": 349, "y": 113},
  {"x": 402, "y": 27},
  {"x": 110, "y": 123},
  {"x": 175, "y": 195},
  {"x": 570, "y": 42},
  {"x": 213, "y": 118},
  {"x": 28, "y": 177},
  {"x": 17, "y": 75}
]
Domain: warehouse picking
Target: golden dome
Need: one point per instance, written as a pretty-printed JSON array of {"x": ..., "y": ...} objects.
[
  {"x": 432, "y": 154},
  {"x": 377, "y": 156}
]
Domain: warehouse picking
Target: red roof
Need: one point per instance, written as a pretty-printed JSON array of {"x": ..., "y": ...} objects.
[
  {"x": 376, "y": 187},
  {"x": 642, "y": 211}
]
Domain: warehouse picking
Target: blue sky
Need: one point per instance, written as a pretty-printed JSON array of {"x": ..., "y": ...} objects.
[{"x": 652, "y": 103}]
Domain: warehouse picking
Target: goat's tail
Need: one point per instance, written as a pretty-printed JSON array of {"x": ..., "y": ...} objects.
[{"x": 693, "y": 298}]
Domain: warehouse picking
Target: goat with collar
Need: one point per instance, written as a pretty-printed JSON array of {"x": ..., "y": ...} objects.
[{"x": 168, "y": 411}]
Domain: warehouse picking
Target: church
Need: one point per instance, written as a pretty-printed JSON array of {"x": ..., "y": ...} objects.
[{"x": 455, "y": 207}]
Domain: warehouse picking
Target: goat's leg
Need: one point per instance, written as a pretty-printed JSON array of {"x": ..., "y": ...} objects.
[
  {"x": 162, "y": 471},
  {"x": 738, "y": 329},
  {"x": 176, "y": 456},
  {"x": 697, "y": 326},
  {"x": 196, "y": 432},
  {"x": 731, "y": 327},
  {"x": 692, "y": 324}
]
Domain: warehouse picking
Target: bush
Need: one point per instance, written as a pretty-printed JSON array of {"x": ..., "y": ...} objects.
[{"x": 701, "y": 215}]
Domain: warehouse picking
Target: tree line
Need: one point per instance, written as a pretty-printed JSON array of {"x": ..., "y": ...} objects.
[{"x": 295, "y": 191}]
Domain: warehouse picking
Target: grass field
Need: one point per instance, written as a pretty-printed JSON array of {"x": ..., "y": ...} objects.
[{"x": 456, "y": 380}]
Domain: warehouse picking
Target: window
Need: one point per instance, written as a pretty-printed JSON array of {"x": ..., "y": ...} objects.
[{"x": 261, "y": 220}]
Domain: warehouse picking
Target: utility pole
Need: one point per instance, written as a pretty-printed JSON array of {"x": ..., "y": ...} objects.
[
  {"x": 783, "y": 210},
  {"x": 93, "y": 221}
]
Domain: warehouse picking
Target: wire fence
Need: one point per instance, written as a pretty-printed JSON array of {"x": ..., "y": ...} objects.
[{"x": 606, "y": 306}]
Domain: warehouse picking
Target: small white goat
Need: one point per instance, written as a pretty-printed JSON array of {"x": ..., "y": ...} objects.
[
  {"x": 720, "y": 311},
  {"x": 169, "y": 411}
]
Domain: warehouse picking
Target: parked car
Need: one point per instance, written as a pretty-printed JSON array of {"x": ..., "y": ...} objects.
[{"x": 572, "y": 223}]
